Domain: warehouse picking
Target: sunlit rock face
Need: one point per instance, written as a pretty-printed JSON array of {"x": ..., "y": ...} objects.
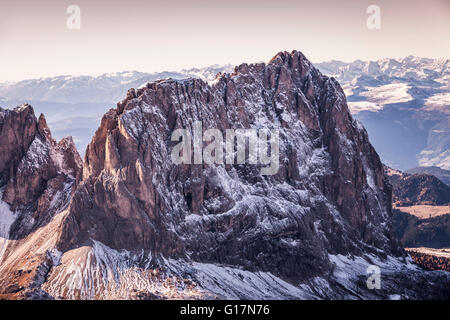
[
  {"x": 132, "y": 224},
  {"x": 38, "y": 176},
  {"x": 328, "y": 196},
  {"x": 37, "y": 173}
]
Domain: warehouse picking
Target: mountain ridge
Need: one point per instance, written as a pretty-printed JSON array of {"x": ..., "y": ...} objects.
[
  {"x": 441, "y": 174},
  {"x": 404, "y": 104},
  {"x": 105, "y": 88},
  {"x": 136, "y": 220}
]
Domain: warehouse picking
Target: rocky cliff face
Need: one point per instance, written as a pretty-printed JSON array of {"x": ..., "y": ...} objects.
[
  {"x": 329, "y": 195},
  {"x": 36, "y": 171},
  {"x": 136, "y": 219},
  {"x": 37, "y": 178}
]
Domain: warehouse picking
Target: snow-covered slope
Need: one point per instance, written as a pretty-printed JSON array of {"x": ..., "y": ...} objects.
[{"x": 403, "y": 103}]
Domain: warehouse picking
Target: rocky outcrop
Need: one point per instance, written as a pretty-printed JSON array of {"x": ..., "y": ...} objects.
[
  {"x": 37, "y": 172},
  {"x": 139, "y": 225},
  {"x": 18, "y": 129},
  {"x": 37, "y": 179},
  {"x": 329, "y": 195}
]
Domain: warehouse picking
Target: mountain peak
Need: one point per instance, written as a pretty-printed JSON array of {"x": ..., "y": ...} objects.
[
  {"x": 307, "y": 230},
  {"x": 43, "y": 129},
  {"x": 128, "y": 162},
  {"x": 284, "y": 56}
]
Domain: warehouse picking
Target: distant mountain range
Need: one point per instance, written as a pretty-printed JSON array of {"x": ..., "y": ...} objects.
[
  {"x": 74, "y": 105},
  {"x": 441, "y": 174},
  {"x": 418, "y": 189},
  {"x": 109, "y": 87},
  {"x": 403, "y": 103}
]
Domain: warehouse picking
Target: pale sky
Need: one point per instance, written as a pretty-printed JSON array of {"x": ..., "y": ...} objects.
[{"x": 152, "y": 36}]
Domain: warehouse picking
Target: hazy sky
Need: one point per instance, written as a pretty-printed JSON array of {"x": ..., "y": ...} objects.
[{"x": 158, "y": 35}]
